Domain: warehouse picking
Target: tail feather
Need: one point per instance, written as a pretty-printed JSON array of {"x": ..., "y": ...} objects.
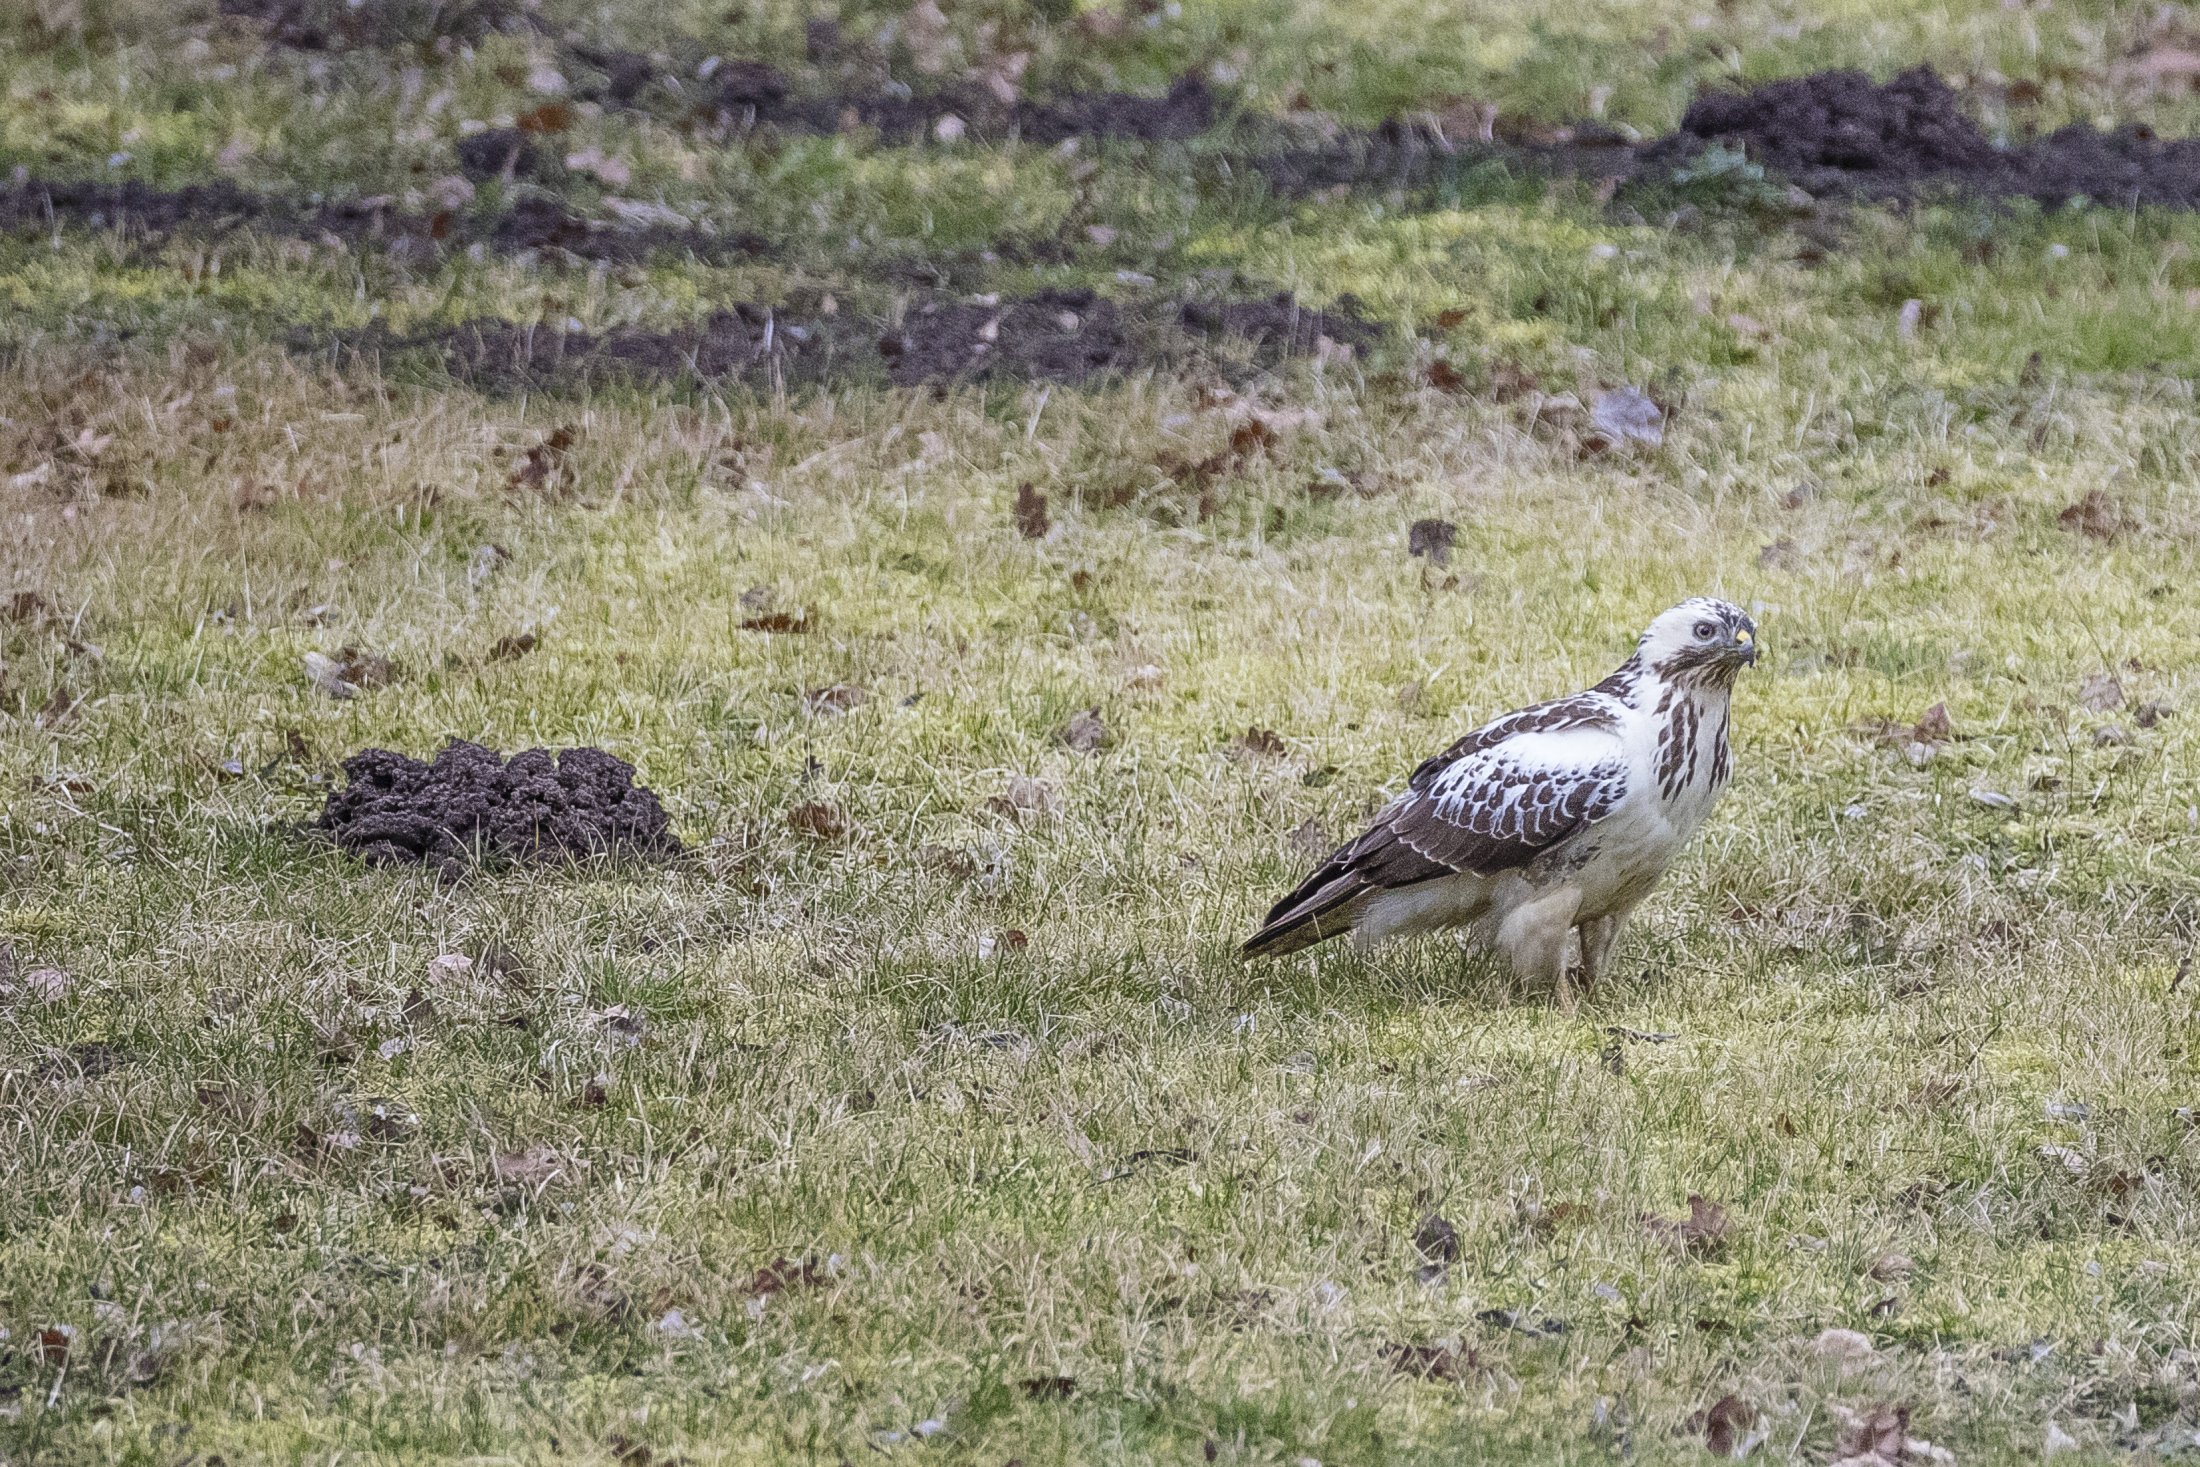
[{"x": 1319, "y": 909}]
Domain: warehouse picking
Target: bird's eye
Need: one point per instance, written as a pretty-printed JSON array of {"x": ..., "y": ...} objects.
[{"x": 1705, "y": 631}]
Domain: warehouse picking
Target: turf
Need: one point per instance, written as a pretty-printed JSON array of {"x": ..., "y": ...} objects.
[{"x": 923, "y": 1109}]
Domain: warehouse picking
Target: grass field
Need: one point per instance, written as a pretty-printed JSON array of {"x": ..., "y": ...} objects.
[{"x": 926, "y": 1113}]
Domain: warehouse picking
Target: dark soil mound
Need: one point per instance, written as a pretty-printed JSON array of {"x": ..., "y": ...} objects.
[
  {"x": 501, "y": 356},
  {"x": 1842, "y": 130},
  {"x": 538, "y": 223},
  {"x": 1839, "y": 133},
  {"x": 1280, "y": 326},
  {"x": 1061, "y": 335},
  {"x": 131, "y": 207},
  {"x": 1054, "y": 336},
  {"x": 470, "y": 802}
]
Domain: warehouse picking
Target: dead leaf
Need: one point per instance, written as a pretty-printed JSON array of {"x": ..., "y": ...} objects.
[
  {"x": 778, "y": 622},
  {"x": 1030, "y": 513},
  {"x": 535, "y": 1166},
  {"x": 948, "y": 861},
  {"x": 782, "y": 1275},
  {"x": 1725, "y": 1426},
  {"x": 550, "y": 117},
  {"x": 52, "y": 1344},
  {"x": 1084, "y": 733},
  {"x": 1432, "y": 538},
  {"x": 2101, "y": 691},
  {"x": 1702, "y": 1234},
  {"x": 544, "y": 466},
  {"x": 1935, "y": 726},
  {"x": 1880, "y": 1437},
  {"x": 1444, "y": 377},
  {"x": 513, "y": 646},
  {"x": 1025, "y": 797},
  {"x": 1263, "y": 741},
  {"x": 819, "y": 819},
  {"x": 1048, "y": 1387},
  {"x": 2097, "y": 516},
  {"x": 1437, "y": 1240},
  {"x": 832, "y": 700},
  {"x": 32, "y": 608}
]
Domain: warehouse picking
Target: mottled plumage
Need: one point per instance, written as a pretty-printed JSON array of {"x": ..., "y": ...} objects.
[{"x": 1558, "y": 816}]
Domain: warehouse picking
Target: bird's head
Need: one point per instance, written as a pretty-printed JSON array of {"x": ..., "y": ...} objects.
[{"x": 1702, "y": 640}]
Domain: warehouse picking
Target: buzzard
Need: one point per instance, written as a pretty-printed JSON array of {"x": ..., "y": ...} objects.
[{"x": 1560, "y": 816}]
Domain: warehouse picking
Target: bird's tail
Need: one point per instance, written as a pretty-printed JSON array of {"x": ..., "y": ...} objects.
[{"x": 1321, "y": 908}]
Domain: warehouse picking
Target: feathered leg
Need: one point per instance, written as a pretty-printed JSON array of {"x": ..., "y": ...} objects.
[
  {"x": 1598, "y": 935},
  {"x": 1533, "y": 934}
]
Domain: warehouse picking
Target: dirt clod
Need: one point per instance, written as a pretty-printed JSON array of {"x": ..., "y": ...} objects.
[
  {"x": 1839, "y": 133},
  {"x": 471, "y": 802}
]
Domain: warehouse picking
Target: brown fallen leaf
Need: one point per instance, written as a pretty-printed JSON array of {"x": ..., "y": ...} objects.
[
  {"x": 819, "y": 819},
  {"x": 543, "y": 467},
  {"x": 534, "y": 1166},
  {"x": 2096, "y": 515},
  {"x": 784, "y": 1274},
  {"x": 1935, "y": 726},
  {"x": 513, "y": 645},
  {"x": 1084, "y": 733},
  {"x": 1026, "y": 797},
  {"x": 1048, "y": 1387},
  {"x": 1263, "y": 741},
  {"x": 1432, "y": 538},
  {"x": 835, "y": 699},
  {"x": 1702, "y": 1234},
  {"x": 550, "y": 117},
  {"x": 1030, "y": 513},
  {"x": 1880, "y": 1437},
  {"x": 52, "y": 1343},
  {"x": 1437, "y": 1240},
  {"x": 1725, "y": 1426},
  {"x": 778, "y": 623},
  {"x": 1444, "y": 377}
]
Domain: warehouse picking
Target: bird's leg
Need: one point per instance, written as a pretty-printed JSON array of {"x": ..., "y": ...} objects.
[
  {"x": 1598, "y": 935},
  {"x": 1534, "y": 933}
]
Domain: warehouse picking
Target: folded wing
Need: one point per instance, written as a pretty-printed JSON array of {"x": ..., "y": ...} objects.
[{"x": 1491, "y": 803}]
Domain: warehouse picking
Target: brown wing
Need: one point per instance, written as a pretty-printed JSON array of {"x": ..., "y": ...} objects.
[{"x": 1492, "y": 802}]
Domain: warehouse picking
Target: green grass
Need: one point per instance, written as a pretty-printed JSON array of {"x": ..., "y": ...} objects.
[{"x": 1111, "y": 1154}]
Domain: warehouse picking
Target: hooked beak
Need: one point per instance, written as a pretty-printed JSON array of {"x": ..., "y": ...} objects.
[{"x": 1745, "y": 647}]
